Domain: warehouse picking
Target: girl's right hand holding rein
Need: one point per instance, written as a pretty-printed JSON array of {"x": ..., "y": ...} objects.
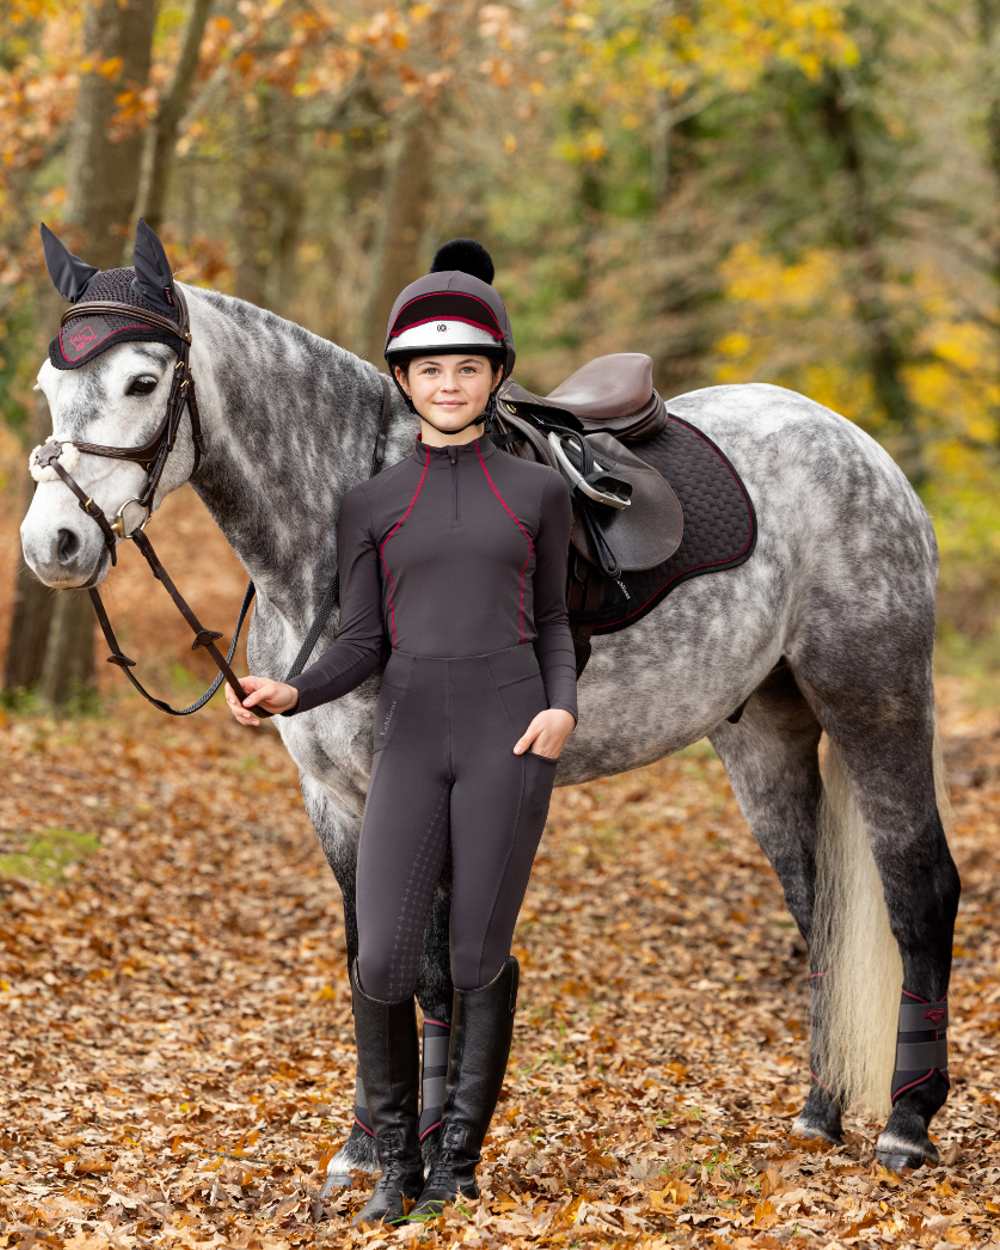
[{"x": 271, "y": 695}]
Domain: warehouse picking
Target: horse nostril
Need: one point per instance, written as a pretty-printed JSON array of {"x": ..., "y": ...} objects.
[{"x": 67, "y": 546}]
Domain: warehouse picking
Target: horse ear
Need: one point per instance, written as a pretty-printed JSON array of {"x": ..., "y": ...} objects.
[
  {"x": 69, "y": 273},
  {"x": 153, "y": 277}
]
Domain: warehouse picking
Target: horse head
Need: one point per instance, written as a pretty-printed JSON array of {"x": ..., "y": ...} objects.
[{"x": 117, "y": 384}]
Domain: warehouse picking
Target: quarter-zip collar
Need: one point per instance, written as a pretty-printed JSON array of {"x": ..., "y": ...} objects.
[{"x": 450, "y": 453}]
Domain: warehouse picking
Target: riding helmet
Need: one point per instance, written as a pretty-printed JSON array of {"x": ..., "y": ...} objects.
[{"x": 453, "y": 308}]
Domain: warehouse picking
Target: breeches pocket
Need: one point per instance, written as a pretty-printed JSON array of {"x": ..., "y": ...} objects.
[{"x": 521, "y": 692}]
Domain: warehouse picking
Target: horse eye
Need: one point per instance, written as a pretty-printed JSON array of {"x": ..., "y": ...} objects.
[{"x": 143, "y": 385}]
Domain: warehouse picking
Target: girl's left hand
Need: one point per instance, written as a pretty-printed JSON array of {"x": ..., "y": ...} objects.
[{"x": 547, "y": 733}]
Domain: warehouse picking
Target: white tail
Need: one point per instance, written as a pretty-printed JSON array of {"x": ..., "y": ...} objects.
[{"x": 853, "y": 943}]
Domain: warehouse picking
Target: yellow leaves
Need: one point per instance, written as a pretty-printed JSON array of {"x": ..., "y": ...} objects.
[
  {"x": 964, "y": 344},
  {"x": 755, "y": 277},
  {"x": 111, "y": 67},
  {"x": 764, "y": 1214},
  {"x": 587, "y": 148},
  {"x": 675, "y": 1193},
  {"x": 736, "y": 41},
  {"x": 593, "y": 147},
  {"x": 509, "y": 143},
  {"x": 733, "y": 344}
]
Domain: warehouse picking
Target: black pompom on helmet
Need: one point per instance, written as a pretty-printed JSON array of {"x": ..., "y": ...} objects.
[{"x": 454, "y": 308}]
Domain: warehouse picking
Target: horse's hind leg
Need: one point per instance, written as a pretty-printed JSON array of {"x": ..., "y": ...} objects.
[
  {"x": 771, "y": 757},
  {"x": 873, "y": 693}
]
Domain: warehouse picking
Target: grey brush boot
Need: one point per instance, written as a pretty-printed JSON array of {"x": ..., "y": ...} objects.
[
  {"x": 482, "y": 1025},
  {"x": 388, "y": 1059}
]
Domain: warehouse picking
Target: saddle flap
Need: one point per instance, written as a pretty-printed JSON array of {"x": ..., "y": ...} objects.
[
  {"x": 650, "y": 529},
  {"x": 642, "y": 535}
]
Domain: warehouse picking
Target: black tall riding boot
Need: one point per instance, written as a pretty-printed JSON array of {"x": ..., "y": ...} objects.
[
  {"x": 389, "y": 1062},
  {"x": 482, "y": 1024}
]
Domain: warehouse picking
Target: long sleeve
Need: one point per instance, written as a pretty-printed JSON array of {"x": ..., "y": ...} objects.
[
  {"x": 554, "y": 642},
  {"x": 359, "y": 646}
]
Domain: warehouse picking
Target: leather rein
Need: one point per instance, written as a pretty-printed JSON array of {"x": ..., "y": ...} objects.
[{"x": 131, "y": 517}]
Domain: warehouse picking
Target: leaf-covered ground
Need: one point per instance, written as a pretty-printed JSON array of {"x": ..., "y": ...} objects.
[{"x": 177, "y": 1052}]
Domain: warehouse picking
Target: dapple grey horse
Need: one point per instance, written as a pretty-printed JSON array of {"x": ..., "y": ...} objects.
[{"x": 842, "y": 584}]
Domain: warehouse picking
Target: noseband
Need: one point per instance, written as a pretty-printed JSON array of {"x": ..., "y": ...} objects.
[
  {"x": 134, "y": 513},
  {"x": 56, "y": 456}
]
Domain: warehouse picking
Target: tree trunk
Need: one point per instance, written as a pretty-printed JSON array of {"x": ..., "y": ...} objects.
[
  {"x": 158, "y": 154},
  {"x": 406, "y": 202},
  {"x": 52, "y": 635},
  {"x": 860, "y": 230},
  {"x": 271, "y": 204},
  {"x": 103, "y": 172},
  {"x": 989, "y": 31}
]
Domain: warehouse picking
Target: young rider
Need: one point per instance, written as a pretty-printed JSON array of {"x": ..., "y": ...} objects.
[{"x": 456, "y": 555}]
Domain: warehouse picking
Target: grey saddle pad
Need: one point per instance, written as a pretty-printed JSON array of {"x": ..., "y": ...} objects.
[{"x": 720, "y": 524}]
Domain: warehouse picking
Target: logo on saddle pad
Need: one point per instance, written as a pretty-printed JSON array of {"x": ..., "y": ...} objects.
[{"x": 388, "y": 717}]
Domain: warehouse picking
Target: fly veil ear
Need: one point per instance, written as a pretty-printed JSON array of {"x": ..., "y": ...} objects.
[
  {"x": 69, "y": 273},
  {"x": 106, "y": 296},
  {"x": 153, "y": 278}
]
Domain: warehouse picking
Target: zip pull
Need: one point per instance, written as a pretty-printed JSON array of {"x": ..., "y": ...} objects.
[{"x": 453, "y": 457}]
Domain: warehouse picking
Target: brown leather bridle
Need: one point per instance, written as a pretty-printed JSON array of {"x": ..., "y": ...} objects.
[{"x": 131, "y": 517}]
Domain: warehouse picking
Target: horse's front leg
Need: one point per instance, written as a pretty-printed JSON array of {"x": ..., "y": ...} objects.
[{"x": 434, "y": 994}]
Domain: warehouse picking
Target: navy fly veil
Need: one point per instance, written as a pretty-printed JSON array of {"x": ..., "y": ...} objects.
[{"x": 147, "y": 286}]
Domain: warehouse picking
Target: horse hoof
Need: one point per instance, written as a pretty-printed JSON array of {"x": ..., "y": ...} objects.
[
  {"x": 357, "y": 1154},
  {"x": 805, "y": 1126},
  {"x": 900, "y": 1155}
]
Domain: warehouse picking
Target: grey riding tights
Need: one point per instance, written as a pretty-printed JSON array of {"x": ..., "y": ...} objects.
[{"x": 445, "y": 775}]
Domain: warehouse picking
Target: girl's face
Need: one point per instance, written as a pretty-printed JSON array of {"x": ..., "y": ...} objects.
[{"x": 449, "y": 389}]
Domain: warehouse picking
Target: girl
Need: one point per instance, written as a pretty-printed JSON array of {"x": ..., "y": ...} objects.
[{"x": 454, "y": 561}]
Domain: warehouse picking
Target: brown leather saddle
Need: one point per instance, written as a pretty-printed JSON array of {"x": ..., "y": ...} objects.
[{"x": 655, "y": 501}]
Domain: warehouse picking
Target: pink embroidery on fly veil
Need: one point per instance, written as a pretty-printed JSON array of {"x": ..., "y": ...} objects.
[{"x": 82, "y": 339}]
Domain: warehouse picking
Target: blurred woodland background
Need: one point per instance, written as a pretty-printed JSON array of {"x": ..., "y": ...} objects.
[{"x": 796, "y": 191}]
